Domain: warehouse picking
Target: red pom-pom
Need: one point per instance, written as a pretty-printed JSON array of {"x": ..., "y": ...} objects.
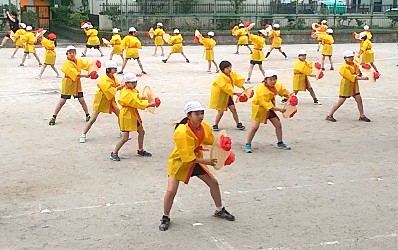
[
  {"x": 293, "y": 100},
  {"x": 94, "y": 75},
  {"x": 157, "y": 102},
  {"x": 243, "y": 98},
  {"x": 225, "y": 143},
  {"x": 317, "y": 25},
  {"x": 98, "y": 64},
  {"x": 376, "y": 75},
  {"x": 266, "y": 26},
  {"x": 230, "y": 159},
  {"x": 365, "y": 66},
  {"x": 317, "y": 65},
  {"x": 196, "y": 39},
  {"x": 321, "y": 75},
  {"x": 247, "y": 24},
  {"x": 251, "y": 94}
]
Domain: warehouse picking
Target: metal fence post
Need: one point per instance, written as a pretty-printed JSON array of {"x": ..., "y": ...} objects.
[{"x": 371, "y": 12}]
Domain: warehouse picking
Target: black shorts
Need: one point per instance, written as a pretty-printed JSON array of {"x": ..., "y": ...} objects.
[
  {"x": 66, "y": 97},
  {"x": 272, "y": 114},
  {"x": 349, "y": 96},
  {"x": 92, "y": 46},
  {"x": 132, "y": 58},
  {"x": 230, "y": 101},
  {"x": 256, "y": 62},
  {"x": 198, "y": 170}
]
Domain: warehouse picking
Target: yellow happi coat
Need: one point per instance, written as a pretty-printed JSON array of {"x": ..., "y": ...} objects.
[
  {"x": 367, "y": 52},
  {"x": 242, "y": 34},
  {"x": 71, "y": 84},
  {"x": 158, "y": 34},
  {"x": 92, "y": 35},
  {"x": 322, "y": 29},
  {"x": 259, "y": 43},
  {"x": 131, "y": 44},
  {"x": 18, "y": 37},
  {"x": 368, "y": 34},
  {"x": 116, "y": 42},
  {"x": 29, "y": 41},
  {"x": 275, "y": 35},
  {"x": 104, "y": 99},
  {"x": 223, "y": 88},
  {"x": 209, "y": 44},
  {"x": 130, "y": 101},
  {"x": 187, "y": 148},
  {"x": 49, "y": 55},
  {"x": 302, "y": 69},
  {"x": 264, "y": 100},
  {"x": 176, "y": 40},
  {"x": 327, "y": 41},
  {"x": 349, "y": 83}
]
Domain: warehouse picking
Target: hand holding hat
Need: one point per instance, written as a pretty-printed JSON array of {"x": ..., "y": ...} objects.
[{"x": 93, "y": 75}]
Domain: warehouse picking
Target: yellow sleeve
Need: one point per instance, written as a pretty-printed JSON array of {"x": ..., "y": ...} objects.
[
  {"x": 113, "y": 40},
  {"x": 44, "y": 42},
  {"x": 185, "y": 144},
  {"x": 303, "y": 67},
  {"x": 136, "y": 102},
  {"x": 87, "y": 32},
  {"x": 138, "y": 44},
  {"x": 85, "y": 64},
  {"x": 238, "y": 79},
  {"x": 265, "y": 101},
  {"x": 254, "y": 38},
  {"x": 345, "y": 72},
  {"x": 107, "y": 88},
  {"x": 224, "y": 86},
  {"x": 331, "y": 40},
  {"x": 209, "y": 136},
  {"x": 171, "y": 40},
  {"x": 364, "y": 46},
  {"x": 69, "y": 70},
  {"x": 25, "y": 38},
  {"x": 17, "y": 34},
  {"x": 282, "y": 90}
]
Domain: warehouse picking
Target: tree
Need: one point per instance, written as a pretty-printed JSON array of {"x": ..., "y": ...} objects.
[{"x": 237, "y": 5}]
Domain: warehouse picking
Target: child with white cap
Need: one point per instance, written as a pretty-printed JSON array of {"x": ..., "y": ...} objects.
[
  {"x": 50, "y": 55},
  {"x": 104, "y": 99},
  {"x": 186, "y": 161},
  {"x": 93, "y": 42},
  {"x": 243, "y": 38},
  {"x": 257, "y": 56},
  {"x": 209, "y": 43},
  {"x": 177, "y": 47},
  {"x": 322, "y": 32},
  {"x": 275, "y": 35},
  {"x": 116, "y": 42},
  {"x": 302, "y": 70},
  {"x": 327, "y": 49},
  {"x": 158, "y": 34},
  {"x": 366, "y": 50},
  {"x": 29, "y": 41},
  {"x": 18, "y": 38},
  {"x": 71, "y": 83},
  {"x": 129, "y": 118},
  {"x": 350, "y": 73},
  {"x": 263, "y": 108},
  {"x": 131, "y": 45}
]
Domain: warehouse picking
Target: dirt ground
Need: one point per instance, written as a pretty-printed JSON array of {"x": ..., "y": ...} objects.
[{"x": 336, "y": 189}]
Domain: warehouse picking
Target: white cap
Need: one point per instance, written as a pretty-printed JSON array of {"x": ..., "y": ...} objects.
[
  {"x": 28, "y": 27},
  {"x": 132, "y": 29},
  {"x": 362, "y": 35},
  {"x": 210, "y": 33},
  {"x": 324, "y": 21},
  {"x": 115, "y": 30},
  {"x": 241, "y": 25},
  {"x": 22, "y": 25},
  {"x": 301, "y": 52},
  {"x": 348, "y": 53},
  {"x": 159, "y": 24},
  {"x": 193, "y": 106},
  {"x": 110, "y": 64},
  {"x": 264, "y": 32},
  {"x": 85, "y": 25},
  {"x": 366, "y": 27},
  {"x": 269, "y": 73},
  {"x": 70, "y": 47},
  {"x": 176, "y": 31},
  {"x": 276, "y": 25},
  {"x": 329, "y": 31},
  {"x": 130, "y": 77},
  {"x": 90, "y": 26}
]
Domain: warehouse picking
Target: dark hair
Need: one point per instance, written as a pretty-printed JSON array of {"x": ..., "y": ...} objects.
[
  {"x": 55, "y": 42},
  {"x": 224, "y": 65},
  {"x": 131, "y": 32},
  {"x": 183, "y": 121},
  {"x": 14, "y": 14}
]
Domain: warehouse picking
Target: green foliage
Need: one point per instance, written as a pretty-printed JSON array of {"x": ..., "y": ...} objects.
[
  {"x": 295, "y": 23},
  {"x": 113, "y": 14},
  {"x": 237, "y": 6},
  {"x": 344, "y": 21},
  {"x": 394, "y": 20},
  {"x": 76, "y": 18},
  {"x": 226, "y": 23},
  {"x": 360, "y": 23},
  {"x": 30, "y": 18},
  {"x": 186, "y": 6},
  {"x": 61, "y": 13},
  {"x": 266, "y": 20}
]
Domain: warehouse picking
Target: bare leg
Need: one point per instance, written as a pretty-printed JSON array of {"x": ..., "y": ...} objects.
[
  {"x": 122, "y": 57},
  {"x": 269, "y": 52},
  {"x": 90, "y": 122},
  {"x": 283, "y": 53},
  {"x": 59, "y": 106},
  {"x": 119, "y": 145},
  {"x": 214, "y": 188},
  {"x": 260, "y": 66},
  {"x": 85, "y": 51},
  {"x": 172, "y": 187},
  {"x": 84, "y": 105},
  {"x": 140, "y": 64},
  {"x": 15, "y": 52},
  {"x": 24, "y": 58},
  {"x": 124, "y": 64},
  {"x": 42, "y": 70},
  {"x": 5, "y": 39},
  {"x": 111, "y": 56},
  {"x": 252, "y": 132},
  {"x": 336, "y": 106},
  {"x": 55, "y": 69},
  {"x": 156, "y": 49},
  {"x": 182, "y": 53},
  {"x": 312, "y": 93},
  {"x": 249, "y": 74},
  {"x": 323, "y": 62},
  {"x": 141, "y": 134},
  {"x": 161, "y": 47},
  {"x": 234, "y": 113},
  {"x": 215, "y": 64},
  {"x": 374, "y": 66},
  {"x": 218, "y": 117},
  {"x": 250, "y": 49},
  {"x": 278, "y": 128},
  {"x": 237, "y": 49},
  {"x": 37, "y": 58},
  {"x": 331, "y": 62},
  {"x": 99, "y": 49},
  {"x": 209, "y": 67},
  {"x": 358, "y": 99}
]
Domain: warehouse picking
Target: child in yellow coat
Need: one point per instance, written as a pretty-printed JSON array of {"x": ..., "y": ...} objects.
[
  {"x": 366, "y": 50},
  {"x": 258, "y": 55},
  {"x": 275, "y": 35},
  {"x": 186, "y": 161},
  {"x": 129, "y": 118},
  {"x": 302, "y": 70},
  {"x": 29, "y": 41},
  {"x": 350, "y": 74},
  {"x": 209, "y": 43},
  {"x": 327, "y": 49},
  {"x": 176, "y": 41},
  {"x": 158, "y": 34},
  {"x": 93, "y": 41},
  {"x": 243, "y": 39},
  {"x": 71, "y": 83},
  {"x": 322, "y": 32},
  {"x": 222, "y": 91},
  {"x": 18, "y": 38},
  {"x": 50, "y": 55},
  {"x": 116, "y": 42},
  {"x": 131, "y": 45},
  {"x": 263, "y": 108},
  {"x": 104, "y": 99}
]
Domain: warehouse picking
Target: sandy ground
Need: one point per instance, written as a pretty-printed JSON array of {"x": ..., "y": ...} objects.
[{"x": 336, "y": 188}]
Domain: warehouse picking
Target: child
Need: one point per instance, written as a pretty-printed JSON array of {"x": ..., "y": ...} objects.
[
  {"x": 129, "y": 118},
  {"x": 14, "y": 25},
  {"x": 209, "y": 43},
  {"x": 258, "y": 55},
  {"x": 29, "y": 41},
  {"x": 104, "y": 99},
  {"x": 93, "y": 41},
  {"x": 263, "y": 108},
  {"x": 327, "y": 49},
  {"x": 243, "y": 39},
  {"x": 322, "y": 31},
  {"x": 349, "y": 86},
  {"x": 131, "y": 45},
  {"x": 176, "y": 40},
  {"x": 366, "y": 51},
  {"x": 49, "y": 56},
  {"x": 187, "y": 160},
  {"x": 275, "y": 35},
  {"x": 116, "y": 42},
  {"x": 158, "y": 34},
  {"x": 302, "y": 70},
  {"x": 71, "y": 84},
  {"x": 18, "y": 38},
  {"x": 222, "y": 91}
]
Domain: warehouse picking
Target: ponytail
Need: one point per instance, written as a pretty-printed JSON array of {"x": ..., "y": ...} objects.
[{"x": 183, "y": 121}]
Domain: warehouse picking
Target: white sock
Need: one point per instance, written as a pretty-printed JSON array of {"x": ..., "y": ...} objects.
[{"x": 219, "y": 209}]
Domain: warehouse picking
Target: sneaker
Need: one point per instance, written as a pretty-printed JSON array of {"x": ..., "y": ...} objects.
[
  {"x": 144, "y": 153},
  {"x": 364, "y": 118},
  {"x": 237, "y": 53},
  {"x": 40, "y": 64},
  {"x": 247, "y": 81},
  {"x": 82, "y": 138},
  {"x": 317, "y": 102},
  {"x": 58, "y": 76},
  {"x": 38, "y": 77},
  {"x": 52, "y": 121},
  {"x": 187, "y": 60},
  {"x": 165, "y": 223},
  {"x": 162, "y": 55},
  {"x": 209, "y": 71},
  {"x": 215, "y": 127},
  {"x": 114, "y": 157},
  {"x": 251, "y": 52},
  {"x": 12, "y": 57},
  {"x": 218, "y": 70},
  {"x": 164, "y": 60},
  {"x": 331, "y": 68},
  {"x": 248, "y": 148},
  {"x": 120, "y": 73},
  {"x": 83, "y": 55},
  {"x": 283, "y": 145},
  {"x": 88, "y": 118},
  {"x": 223, "y": 214},
  {"x": 102, "y": 55},
  {"x": 323, "y": 69},
  {"x": 21, "y": 65},
  {"x": 240, "y": 126},
  {"x": 143, "y": 72},
  {"x": 286, "y": 58},
  {"x": 330, "y": 118}
]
